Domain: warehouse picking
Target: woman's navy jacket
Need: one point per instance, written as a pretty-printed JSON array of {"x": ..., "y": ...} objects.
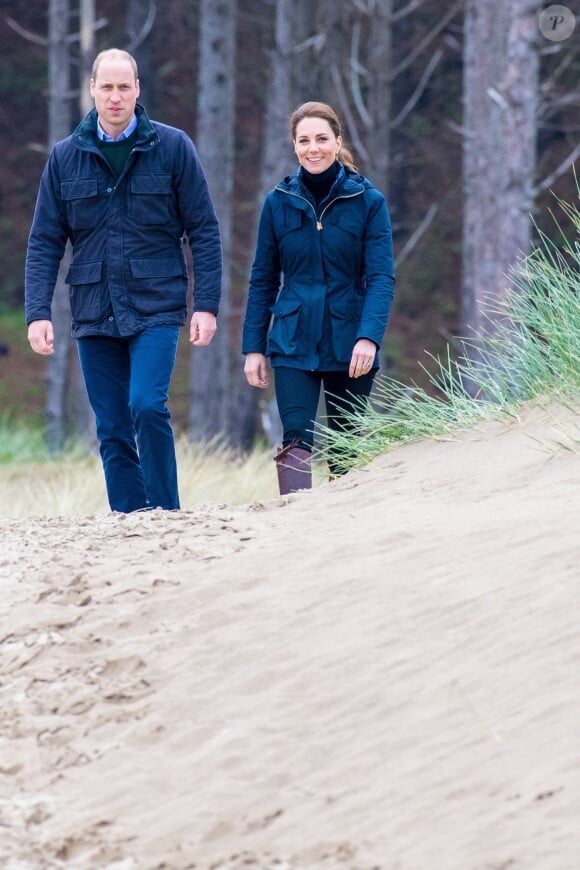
[
  {"x": 335, "y": 264},
  {"x": 128, "y": 269}
]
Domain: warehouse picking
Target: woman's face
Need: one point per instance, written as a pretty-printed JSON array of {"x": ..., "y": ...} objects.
[{"x": 315, "y": 144}]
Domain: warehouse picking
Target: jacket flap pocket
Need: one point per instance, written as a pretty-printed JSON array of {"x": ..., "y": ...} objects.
[
  {"x": 81, "y": 188},
  {"x": 284, "y": 307},
  {"x": 156, "y": 184},
  {"x": 290, "y": 219},
  {"x": 84, "y": 273},
  {"x": 350, "y": 221},
  {"x": 160, "y": 267}
]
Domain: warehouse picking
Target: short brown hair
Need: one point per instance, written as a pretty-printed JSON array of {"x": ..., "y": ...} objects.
[{"x": 114, "y": 54}]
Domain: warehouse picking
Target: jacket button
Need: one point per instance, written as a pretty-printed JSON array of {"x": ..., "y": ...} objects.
[
  {"x": 109, "y": 189},
  {"x": 111, "y": 318}
]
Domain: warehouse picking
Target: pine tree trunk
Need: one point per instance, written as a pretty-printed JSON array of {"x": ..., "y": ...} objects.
[
  {"x": 331, "y": 24},
  {"x": 278, "y": 159},
  {"x": 59, "y": 124},
  {"x": 500, "y": 117},
  {"x": 137, "y": 12},
  {"x": 380, "y": 63},
  {"x": 67, "y": 409},
  {"x": 211, "y": 391}
]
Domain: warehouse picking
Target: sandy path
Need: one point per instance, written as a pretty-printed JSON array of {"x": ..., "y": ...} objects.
[{"x": 382, "y": 673}]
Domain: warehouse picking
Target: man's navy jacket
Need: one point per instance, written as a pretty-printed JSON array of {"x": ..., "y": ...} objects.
[{"x": 128, "y": 268}]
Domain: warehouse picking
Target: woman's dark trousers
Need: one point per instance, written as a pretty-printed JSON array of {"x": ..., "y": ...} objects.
[{"x": 298, "y": 395}]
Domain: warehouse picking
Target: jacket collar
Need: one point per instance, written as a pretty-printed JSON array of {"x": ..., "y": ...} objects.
[
  {"x": 86, "y": 133},
  {"x": 346, "y": 183}
]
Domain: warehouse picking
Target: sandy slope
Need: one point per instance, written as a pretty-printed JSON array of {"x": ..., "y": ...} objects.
[{"x": 382, "y": 673}]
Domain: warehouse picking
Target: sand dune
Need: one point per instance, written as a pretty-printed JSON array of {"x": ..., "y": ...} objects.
[{"x": 382, "y": 673}]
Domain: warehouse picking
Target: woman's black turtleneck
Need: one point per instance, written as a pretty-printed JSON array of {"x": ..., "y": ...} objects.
[{"x": 319, "y": 185}]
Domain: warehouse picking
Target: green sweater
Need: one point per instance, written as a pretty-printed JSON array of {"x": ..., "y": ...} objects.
[{"x": 116, "y": 153}]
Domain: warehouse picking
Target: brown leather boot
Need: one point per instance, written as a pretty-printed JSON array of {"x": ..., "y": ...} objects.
[{"x": 294, "y": 470}]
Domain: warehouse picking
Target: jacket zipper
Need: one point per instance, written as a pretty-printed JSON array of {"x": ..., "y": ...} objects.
[{"x": 327, "y": 206}]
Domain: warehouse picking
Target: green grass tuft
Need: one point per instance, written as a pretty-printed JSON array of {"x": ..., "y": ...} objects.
[
  {"x": 532, "y": 353},
  {"x": 21, "y": 442}
]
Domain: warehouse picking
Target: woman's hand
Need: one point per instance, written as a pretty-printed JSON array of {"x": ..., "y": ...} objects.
[
  {"x": 363, "y": 356},
  {"x": 256, "y": 370}
]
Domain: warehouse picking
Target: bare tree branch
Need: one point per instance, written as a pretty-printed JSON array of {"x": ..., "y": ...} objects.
[
  {"x": 417, "y": 93},
  {"x": 554, "y": 48},
  {"x": 43, "y": 40},
  {"x": 566, "y": 164},
  {"x": 426, "y": 41},
  {"x": 463, "y": 131},
  {"x": 38, "y": 147},
  {"x": 146, "y": 29},
  {"x": 98, "y": 25},
  {"x": 316, "y": 41},
  {"x": 406, "y": 10},
  {"x": 550, "y": 107},
  {"x": 26, "y": 34},
  {"x": 498, "y": 99},
  {"x": 355, "y": 69},
  {"x": 415, "y": 237},
  {"x": 548, "y": 83},
  {"x": 347, "y": 114},
  {"x": 362, "y": 6}
]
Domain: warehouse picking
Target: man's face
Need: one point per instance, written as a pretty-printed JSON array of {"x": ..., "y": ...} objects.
[{"x": 115, "y": 91}]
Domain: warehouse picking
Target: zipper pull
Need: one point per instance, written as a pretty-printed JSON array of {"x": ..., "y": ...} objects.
[{"x": 318, "y": 225}]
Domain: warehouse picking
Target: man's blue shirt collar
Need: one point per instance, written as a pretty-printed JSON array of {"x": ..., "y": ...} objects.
[{"x": 104, "y": 137}]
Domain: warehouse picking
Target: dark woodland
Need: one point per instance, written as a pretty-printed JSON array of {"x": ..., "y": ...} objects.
[{"x": 463, "y": 113}]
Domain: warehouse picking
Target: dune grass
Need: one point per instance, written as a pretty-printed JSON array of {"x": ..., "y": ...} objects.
[
  {"x": 530, "y": 354},
  {"x": 35, "y": 484},
  {"x": 20, "y": 442}
]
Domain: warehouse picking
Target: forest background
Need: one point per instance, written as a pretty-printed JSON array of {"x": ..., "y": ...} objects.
[{"x": 464, "y": 113}]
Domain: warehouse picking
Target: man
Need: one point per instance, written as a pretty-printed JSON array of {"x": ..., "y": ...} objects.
[{"x": 126, "y": 191}]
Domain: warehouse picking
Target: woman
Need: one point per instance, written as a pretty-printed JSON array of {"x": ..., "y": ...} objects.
[{"x": 326, "y": 232}]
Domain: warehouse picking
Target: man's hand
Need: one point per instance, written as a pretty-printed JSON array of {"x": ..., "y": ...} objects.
[
  {"x": 202, "y": 328},
  {"x": 255, "y": 370},
  {"x": 41, "y": 337}
]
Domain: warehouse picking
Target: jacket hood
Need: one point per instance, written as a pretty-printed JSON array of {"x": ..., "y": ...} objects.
[{"x": 85, "y": 134}]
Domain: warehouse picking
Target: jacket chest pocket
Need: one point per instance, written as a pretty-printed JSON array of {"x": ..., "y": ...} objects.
[
  {"x": 343, "y": 239},
  {"x": 84, "y": 208},
  {"x": 150, "y": 198},
  {"x": 294, "y": 240},
  {"x": 287, "y": 228}
]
